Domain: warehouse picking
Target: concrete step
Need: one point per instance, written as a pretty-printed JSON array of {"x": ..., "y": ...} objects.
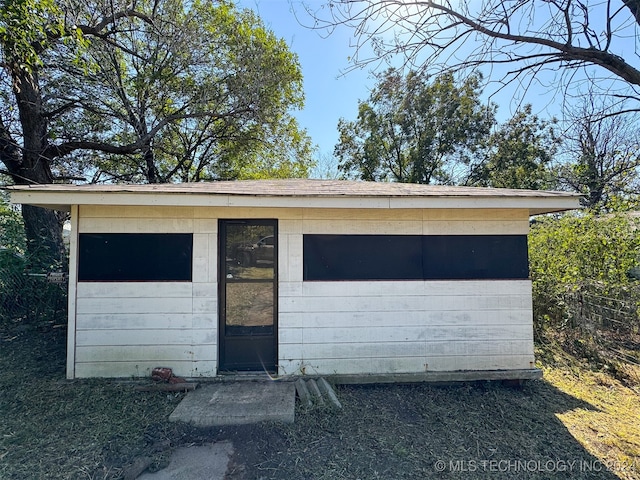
[
  {"x": 237, "y": 403},
  {"x": 316, "y": 392}
]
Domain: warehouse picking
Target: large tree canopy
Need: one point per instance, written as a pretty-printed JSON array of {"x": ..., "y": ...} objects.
[
  {"x": 144, "y": 91},
  {"x": 416, "y": 131},
  {"x": 519, "y": 154},
  {"x": 203, "y": 91},
  {"x": 515, "y": 39}
]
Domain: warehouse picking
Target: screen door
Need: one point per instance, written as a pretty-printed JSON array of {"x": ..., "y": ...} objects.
[{"x": 248, "y": 295}]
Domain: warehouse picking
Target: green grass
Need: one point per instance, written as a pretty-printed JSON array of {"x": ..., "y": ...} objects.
[{"x": 610, "y": 429}]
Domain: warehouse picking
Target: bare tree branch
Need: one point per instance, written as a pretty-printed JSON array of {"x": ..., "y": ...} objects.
[
  {"x": 443, "y": 35},
  {"x": 98, "y": 28},
  {"x": 66, "y": 148}
]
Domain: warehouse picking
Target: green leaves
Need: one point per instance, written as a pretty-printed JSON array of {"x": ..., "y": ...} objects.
[
  {"x": 571, "y": 252},
  {"x": 11, "y": 231},
  {"x": 177, "y": 91},
  {"x": 414, "y": 131},
  {"x": 573, "y": 249},
  {"x": 519, "y": 154},
  {"x": 26, "y": 27}
]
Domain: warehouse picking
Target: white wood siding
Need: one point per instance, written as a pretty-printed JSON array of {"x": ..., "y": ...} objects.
[
  {"x": 126, "y": 329},
  {"x": 71, "y": 302},
  {"x": 405, "y": 327},
  {"x": 401, "y": 327}
]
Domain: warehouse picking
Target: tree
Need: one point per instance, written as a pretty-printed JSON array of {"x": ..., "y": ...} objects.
[
  {"x": 519, "y": 154},
  {"x": 121, "y": 83},
  {"x": 414, "y": 131},
  {"x": 515, "y": 38},
  {"x": 602, "y": 155},
  {"x": 326, "y": 167},
  {"x": 205, "y": 89},
  {"x": 27, "y": 28}
]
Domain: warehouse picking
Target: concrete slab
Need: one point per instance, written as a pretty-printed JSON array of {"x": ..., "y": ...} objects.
[
  {"x": 237, "y": 403},
  {"x": 208, "y": 462}
]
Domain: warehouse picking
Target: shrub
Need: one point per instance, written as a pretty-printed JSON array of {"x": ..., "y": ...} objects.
[{"x": 568, "y": 251}]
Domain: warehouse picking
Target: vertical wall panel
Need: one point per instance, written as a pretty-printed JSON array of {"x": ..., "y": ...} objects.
[
  {"x": 73, "y": 283},
  {"x": 201, "y": 262}
]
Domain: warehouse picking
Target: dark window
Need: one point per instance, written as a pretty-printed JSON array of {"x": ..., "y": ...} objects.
[
  {"x": 475, "y": 257},
  {"x": 135, "y": 257},
  {"x": 362, "y": 257},
  {"x": 415, "y": 257}
]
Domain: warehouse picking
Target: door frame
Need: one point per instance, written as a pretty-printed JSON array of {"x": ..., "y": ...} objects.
[{"x": 223, "y": 367}]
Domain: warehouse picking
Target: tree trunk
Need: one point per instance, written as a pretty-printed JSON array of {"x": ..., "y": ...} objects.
[
  {"x": 42, "y": 227},
  {"x": 150, "y": 163},
  {"x": 44, "y": 238}
]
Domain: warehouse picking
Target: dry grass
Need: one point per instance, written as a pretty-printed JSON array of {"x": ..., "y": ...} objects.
[
  {"x": 571, "y": 425},
  {"x": 610, "y": 430},
  {"x": 53, "y": 428},
  {"x": 413, "y": 431}
]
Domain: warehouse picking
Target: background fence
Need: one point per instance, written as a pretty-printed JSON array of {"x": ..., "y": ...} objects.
[
  {"x": 34, "y": 297},
  {"x": 610, "y": 316},
  {"x": 595, "y": 306}
]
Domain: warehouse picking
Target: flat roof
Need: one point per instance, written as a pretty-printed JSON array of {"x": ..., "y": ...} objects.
[{"x": 294, "y": 193}]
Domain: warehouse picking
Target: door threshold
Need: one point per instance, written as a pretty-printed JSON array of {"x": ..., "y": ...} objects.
[
  {"x": 247, "y": 373},
  {"x": 246, "y": 376}
]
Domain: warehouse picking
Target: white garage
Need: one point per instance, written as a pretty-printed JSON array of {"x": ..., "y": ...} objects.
[{"x": 356, "y": 280}]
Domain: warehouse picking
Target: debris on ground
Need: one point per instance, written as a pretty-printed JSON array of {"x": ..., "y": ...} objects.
[{"x": 166, "y": 381}]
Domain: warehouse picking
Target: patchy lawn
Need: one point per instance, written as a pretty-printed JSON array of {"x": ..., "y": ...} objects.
[
  {"x": 574, "y": 424},
  {"x": 53, "y": 428},
  {"x": 610, "y": 430}
]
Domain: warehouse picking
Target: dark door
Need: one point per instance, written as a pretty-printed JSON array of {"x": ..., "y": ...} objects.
[{"x": 248, "y": 295}]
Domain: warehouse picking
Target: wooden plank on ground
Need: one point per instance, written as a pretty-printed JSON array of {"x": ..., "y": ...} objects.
[
  {"x": 328, "y": 391},
  {"x": 167, "y": 387},
  {"x": 315, "y": 391}
]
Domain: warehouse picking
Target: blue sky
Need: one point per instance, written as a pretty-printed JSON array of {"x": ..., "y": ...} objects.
[
  {"x": 332, "y": 93},
  {"x": 329, "y": 95},
  {"x": 332, "y": 89}
]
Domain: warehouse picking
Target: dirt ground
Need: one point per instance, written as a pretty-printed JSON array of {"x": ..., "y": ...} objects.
[
  {"x": 97, "y": 429},
  {"x": 419, "y": 431}
]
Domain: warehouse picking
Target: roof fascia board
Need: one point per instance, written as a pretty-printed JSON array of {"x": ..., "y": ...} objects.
[
  {"x": 62, "y": 201},
  {"x": 120, "y": 198},
  {"x": 537, "y": 204},
  {"x": 309, "y": 202}
]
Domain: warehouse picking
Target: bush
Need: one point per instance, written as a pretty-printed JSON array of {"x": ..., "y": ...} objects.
[{"x": 569, "y": 251}]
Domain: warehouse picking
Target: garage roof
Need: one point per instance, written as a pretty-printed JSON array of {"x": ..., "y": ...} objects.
[{"x": 294, "y": 193}]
